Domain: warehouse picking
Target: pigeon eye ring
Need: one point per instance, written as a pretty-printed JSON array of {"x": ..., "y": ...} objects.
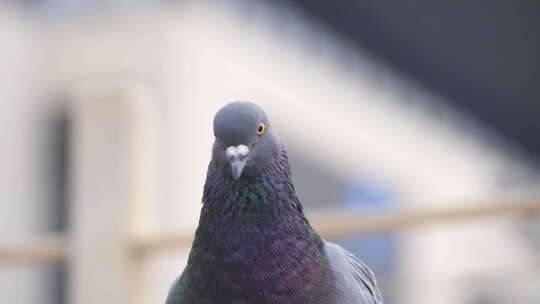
[{"x": 261, "y": 129}]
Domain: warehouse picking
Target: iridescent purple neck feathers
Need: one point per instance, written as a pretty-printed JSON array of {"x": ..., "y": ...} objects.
[{"x": 254, "y": 244}]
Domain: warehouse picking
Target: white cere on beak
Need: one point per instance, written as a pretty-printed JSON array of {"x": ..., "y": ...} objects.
[
  {"x": 238, "y": 151},
  {"x": 242, "y": 150}
]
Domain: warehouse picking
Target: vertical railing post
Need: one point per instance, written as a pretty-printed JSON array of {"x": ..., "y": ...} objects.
[{"x": 109, "y": 133}]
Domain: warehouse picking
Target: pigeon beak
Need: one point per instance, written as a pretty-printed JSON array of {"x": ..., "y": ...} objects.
[
  {"x": 237, "y": 157},
  {"x": 237, "y": 166}
]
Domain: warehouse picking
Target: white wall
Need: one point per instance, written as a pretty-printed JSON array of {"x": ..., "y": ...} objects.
[{"x": 25, "y": 196}]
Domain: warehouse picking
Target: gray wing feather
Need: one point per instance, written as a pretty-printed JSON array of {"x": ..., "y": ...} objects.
[
  {"x": 355, "y": 283},
  {"x": 176, "y": 291}
]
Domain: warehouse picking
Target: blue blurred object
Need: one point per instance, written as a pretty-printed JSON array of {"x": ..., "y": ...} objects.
[
  {"x": 370, "y": 194},
  {"x": 379, "y": 251}
]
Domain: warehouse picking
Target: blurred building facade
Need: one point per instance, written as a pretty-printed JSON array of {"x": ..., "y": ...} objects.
[{"x": 358, "y": 133}]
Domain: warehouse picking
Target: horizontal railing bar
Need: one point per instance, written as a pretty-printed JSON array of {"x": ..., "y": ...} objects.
[
  {"x": 158, "y": 242},
  {"x": 331, "y": 225},
  {"x": 337, "y": 224},
  {"x": 48, "y": 248}
]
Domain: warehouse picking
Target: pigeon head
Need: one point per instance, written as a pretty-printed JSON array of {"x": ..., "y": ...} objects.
[{"x": 245, "y": 141}]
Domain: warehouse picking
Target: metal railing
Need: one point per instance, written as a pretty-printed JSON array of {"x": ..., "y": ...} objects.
[{"x": 331, "y": 225}]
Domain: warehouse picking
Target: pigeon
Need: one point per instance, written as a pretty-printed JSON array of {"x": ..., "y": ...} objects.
[{"x": 253, "y": 243}]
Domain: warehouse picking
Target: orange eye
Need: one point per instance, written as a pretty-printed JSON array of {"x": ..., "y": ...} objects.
[{"x": 261, "y": 129}]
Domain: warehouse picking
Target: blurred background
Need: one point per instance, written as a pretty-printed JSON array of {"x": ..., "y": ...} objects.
[{"x": 412, "y": 128}]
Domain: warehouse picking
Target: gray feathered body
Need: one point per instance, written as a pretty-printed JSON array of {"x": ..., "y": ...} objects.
[{"x": 254, "y": 245}]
